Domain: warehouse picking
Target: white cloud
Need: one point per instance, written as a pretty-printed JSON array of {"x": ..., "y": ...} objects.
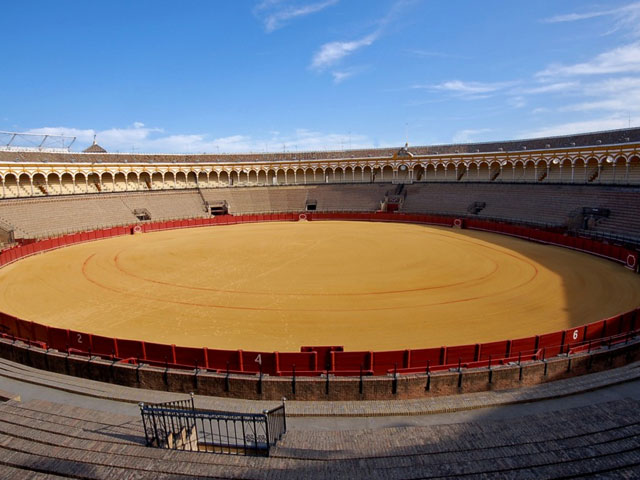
[
  {"x": 468, "y": 90},
  {"x": 572, "y": 17},
  {"x": 332, "y": 52},
  {"x": 626, "y": 18},
  {"x": 624, "y": 59},
  {"x": 305, "y": 139},
  {"x": 469, "y": 135},
  {"x": 277, "y": 13},
  {"x": 517, "y": 102},
  {"x": 570, "y": 128},
  {"x": 551, "y": 88},
  {"x": 138, "y": 139},
  {"x": 339, "y": 77},
  {"x": 82, "y": 135},
  {"x": 431, "y": 54},
  {"x": 613, "y": 94}
]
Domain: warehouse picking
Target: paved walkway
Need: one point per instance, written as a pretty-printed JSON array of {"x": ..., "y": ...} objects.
[{"x": 624, "y": 382}]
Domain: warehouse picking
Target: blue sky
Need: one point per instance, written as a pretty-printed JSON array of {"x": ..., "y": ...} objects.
[{"x": 267, "y": 75}]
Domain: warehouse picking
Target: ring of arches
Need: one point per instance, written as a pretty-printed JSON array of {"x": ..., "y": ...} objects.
[{"x": 604, "y": 168}]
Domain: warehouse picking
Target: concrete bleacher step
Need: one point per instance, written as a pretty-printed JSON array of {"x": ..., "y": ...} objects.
[
  {"x": 605, "y": 421},
  {"x": 96, "y": 459},
  {"x": 5, "y": 396},
  {"x": 75, "y": 421},
  {"x": 78, "y": 430},
  {"x": 9, "y": 473},
  {"x": 469, "y": 445}
]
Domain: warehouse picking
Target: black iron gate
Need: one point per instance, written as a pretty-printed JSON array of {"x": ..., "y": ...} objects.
[{"x": 178, "y": 425}]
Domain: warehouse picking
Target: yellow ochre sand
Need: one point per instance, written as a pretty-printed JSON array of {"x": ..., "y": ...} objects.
[{"x": 277, "y": 286}]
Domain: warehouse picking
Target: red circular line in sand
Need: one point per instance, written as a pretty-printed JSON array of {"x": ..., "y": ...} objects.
[
  {"x": 118, "y": 265},
  {"x": 321, "y": 310}
]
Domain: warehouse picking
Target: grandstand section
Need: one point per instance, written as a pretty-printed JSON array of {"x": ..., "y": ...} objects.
[{"x": 558, "y": 206}]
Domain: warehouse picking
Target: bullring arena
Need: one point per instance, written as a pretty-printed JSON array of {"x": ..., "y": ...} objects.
[
  {"x": 452, "y": 285},
  {"x": 278, "y": 286}
]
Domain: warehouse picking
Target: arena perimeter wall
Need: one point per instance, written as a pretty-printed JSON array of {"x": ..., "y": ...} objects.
[{"x": 327, "y": 361}]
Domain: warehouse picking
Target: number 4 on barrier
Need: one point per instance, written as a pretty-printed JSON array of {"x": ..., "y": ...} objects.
[{"x": 258, "y": 359}]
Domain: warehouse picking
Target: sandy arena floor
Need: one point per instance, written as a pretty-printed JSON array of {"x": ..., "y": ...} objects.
[{"x": 277, "y": 286}]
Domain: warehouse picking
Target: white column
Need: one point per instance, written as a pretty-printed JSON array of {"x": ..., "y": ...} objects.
[{"x": 626, "y": 175}]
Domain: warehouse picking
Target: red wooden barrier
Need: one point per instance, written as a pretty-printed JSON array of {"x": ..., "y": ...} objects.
[
  {"x": 8, "y": 324},
  {"x": 613, "y": 326},
  {"x": 551, "y": 343},
  {"x": 105, "y": 346},
  {"x": 352, "y": 361},
  {"x": 323, "y": 355},
  {"x": 426, "y": 356},
  {"x": 251, "y": 362},
  {"x": 41, "y": 333},
  {"x": 384, "y": 361},
  {"x": 594, "y": 330},
  {"x": 58, "y": 338},
  {"x": 190, "y": 356},
  {"x": 129, "y": 348},
  {"x": 493, "y": 350},
  {"x": 303, "y": 361},
  {"x": 220, "y": 359},
  {"x": 462, "y": 353},
  {"x": 158, "y": 352},
  {"x": 523, "y": 345},
  {"x": 25, "y": 329},
  {"x": 573, "y": 335},
  {"x": 79, "y": 340}
]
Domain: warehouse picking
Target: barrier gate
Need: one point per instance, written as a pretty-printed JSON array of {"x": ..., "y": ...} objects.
[{"x": 177, "y": 425}]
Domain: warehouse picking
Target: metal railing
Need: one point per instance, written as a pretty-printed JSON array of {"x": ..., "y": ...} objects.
[{"x": 178, "y": 425}]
